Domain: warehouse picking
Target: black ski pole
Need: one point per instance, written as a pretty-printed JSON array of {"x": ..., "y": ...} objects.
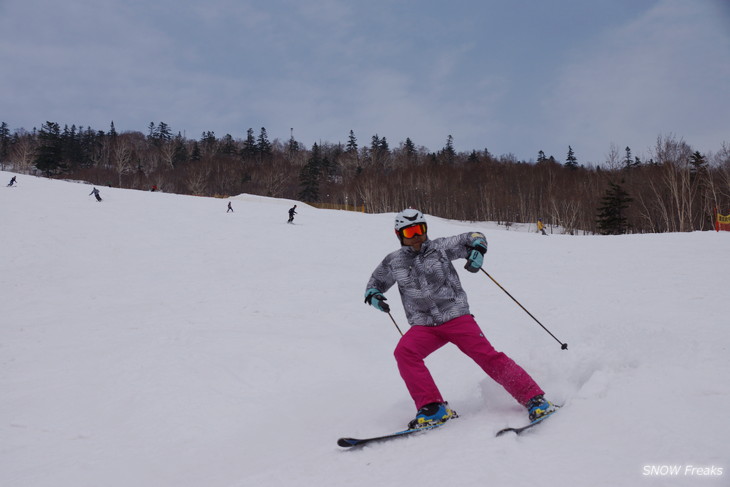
[
  {"x": 563, "y": 346},
  {"x": 396, "y": 324}
]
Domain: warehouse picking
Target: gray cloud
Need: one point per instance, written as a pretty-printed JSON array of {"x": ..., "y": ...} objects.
[
  {"x": 513, "y": 78},
  {"x": 664, "y": 72}
]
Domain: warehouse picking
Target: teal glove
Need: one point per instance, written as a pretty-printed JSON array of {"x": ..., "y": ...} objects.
[
  {"x": 375, "y": 298},
  {"x": 475, "y": 258}
]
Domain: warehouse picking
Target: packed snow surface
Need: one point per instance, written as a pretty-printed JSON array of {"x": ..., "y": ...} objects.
[{"x": 156, "y": 340}]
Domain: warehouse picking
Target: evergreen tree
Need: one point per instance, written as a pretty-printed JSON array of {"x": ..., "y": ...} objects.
[
  {"x": 379, "y": 149},
  {"x": 195, "y": 155},
  {"x": 180, "y": 154},
  {"x": 571, "y": 162},
  {"x": 4, "y": 142},
  {"x": 384, "y": 148},
  {"x": 309, "y": 176},
  {"x": 351, "y": 147},
  {"x": 375, "y": 144},
  {"x": 263, "y": 146},
  {"x": 410, "y": 147},
  {"x": 209, "y": 143},
  {"x": 448, "y": 152},
  {"x": 611, "y": 217},
  {"x": 541, "y": 157},
  {"x": 159, "y": 134},
  {"x": 630, "y": 162},
  {"x": 249, "y": 146},
  {"x": 293, "y": 147},
  {"x": 228, "y": 145},
  {"x": 697, "y": 161},
  {"x": 627, "y": 158},
  {"x": 71, "y": 150},
  {"x": 89, "y": 142},
  {"x": 327, "y": 166},
  {"x": 49, "y": 154},
  {"x": 163, "y": 133}
]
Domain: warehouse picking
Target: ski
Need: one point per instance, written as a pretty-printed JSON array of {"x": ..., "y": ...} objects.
[
  {"x": 521, "y": 429},
  {"x": 350, "y": 442}
]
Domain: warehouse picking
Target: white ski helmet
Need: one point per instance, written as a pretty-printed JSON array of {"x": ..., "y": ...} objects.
[{"x": 408, "y": 217}]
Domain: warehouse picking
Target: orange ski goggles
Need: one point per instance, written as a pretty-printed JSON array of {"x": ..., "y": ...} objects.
[{"x": 413, "y": 230}]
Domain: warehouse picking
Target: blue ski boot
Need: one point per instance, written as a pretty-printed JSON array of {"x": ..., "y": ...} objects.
[
  {"x": 432, "y": 414},
  {"x": 539, "y": 407}
]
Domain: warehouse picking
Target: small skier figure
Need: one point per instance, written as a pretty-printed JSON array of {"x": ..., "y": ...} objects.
[
  {"x": 95, "y": 192},
  {"x": 438, "y": 311},
  {"x": 230, "y": 208},
  {"x": 12, "y": 181},
  {"x": 540, "y": 226},
  {"x": 292, "y": 212}
]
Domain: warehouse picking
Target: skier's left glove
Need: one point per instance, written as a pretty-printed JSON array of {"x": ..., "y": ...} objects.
[
  {"x": 475, "y": 257},
  {"x": 375, "y": 298}
]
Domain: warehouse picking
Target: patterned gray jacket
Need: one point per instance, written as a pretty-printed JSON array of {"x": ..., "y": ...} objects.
[{"x": 429, "y": 286}]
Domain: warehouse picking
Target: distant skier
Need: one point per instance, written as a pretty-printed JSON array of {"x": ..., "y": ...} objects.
[
  {"x": 12, "y": 181},
  {"x": 95, "y": 192},
  {"x": 540, "y": 226},
  {"x": 230, "y": 208},
  {"x": 292, "y": 212},
  {"x": 437, "y": 310}
]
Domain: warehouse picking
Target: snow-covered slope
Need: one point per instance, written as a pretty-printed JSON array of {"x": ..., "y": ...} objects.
[{"x": 156, "y": 340}]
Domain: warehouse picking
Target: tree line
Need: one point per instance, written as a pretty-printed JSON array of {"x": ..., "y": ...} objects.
[{"x": 677, "y": 189}]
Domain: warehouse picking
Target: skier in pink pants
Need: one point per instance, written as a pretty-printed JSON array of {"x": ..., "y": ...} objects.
[{"x": 438, "y": 311}]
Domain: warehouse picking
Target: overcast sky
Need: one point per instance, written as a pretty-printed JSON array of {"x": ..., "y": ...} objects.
[{"x": 514, "y": 76}]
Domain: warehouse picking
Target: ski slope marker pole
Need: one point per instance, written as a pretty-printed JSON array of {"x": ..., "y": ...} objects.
[
  {"x": 563, "y": 346},
  {"x": 396, "y": 324}
]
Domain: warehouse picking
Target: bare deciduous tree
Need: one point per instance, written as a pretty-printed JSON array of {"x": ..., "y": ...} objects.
[
  {"x": 676, "y": 190},
  {"x": 122, "y": 156}
]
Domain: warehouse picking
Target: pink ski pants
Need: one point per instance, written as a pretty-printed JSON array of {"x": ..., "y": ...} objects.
[{"x": 420, "y": 341}]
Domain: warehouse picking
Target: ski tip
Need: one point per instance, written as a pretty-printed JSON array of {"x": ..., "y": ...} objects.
[
  {"x": 505, "y": 430},
  {"x": 347, "y": 442},
  {"x": 520, "y": 429}
]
